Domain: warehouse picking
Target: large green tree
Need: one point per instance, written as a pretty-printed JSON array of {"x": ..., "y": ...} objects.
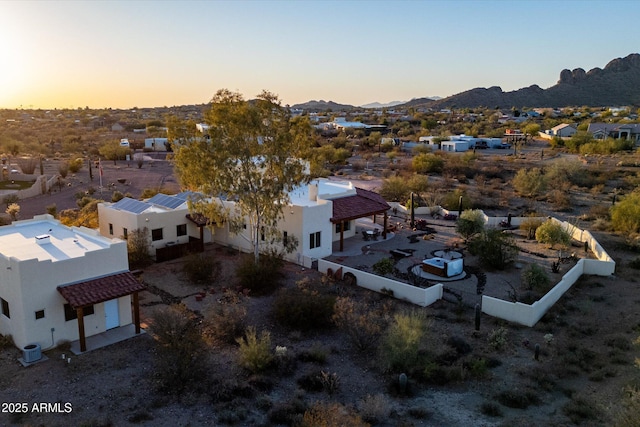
[{"x": 254, "y": 157}]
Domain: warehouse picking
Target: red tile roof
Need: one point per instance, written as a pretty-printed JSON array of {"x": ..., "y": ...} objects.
[
  {"x": 364, "y": 203},
  {"x": 99, "y": 290}
]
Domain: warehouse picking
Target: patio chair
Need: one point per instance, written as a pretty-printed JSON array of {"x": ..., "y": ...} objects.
[
  {"x": 376, "y": 233},
  {"x": 365, "y": 236}
]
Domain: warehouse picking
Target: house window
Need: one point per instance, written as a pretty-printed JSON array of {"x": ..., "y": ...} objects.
[
  {"x": 5, "y": 308},
  {"x": 314, "y": 240},
  {"x": 39, "y": 314},
  {"x": 181, "y": 230},
  {"x": 347, "y": 226},
  {"x": 70, "y": 313},
  {"x": 111, "y": 229},
  {"x": 156, "y": 234},
  {"x": 125, "y": 233}
]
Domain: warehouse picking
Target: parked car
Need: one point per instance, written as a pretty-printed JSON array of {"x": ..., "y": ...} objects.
[
  {"x": 481, "y": 145},
  {"x": 504, "y": 146}
]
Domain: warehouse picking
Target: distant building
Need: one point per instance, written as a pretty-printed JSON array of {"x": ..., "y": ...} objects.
[{"x": 628, "y": 131}]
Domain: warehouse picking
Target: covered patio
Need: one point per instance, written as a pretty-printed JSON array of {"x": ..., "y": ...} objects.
[
  {"x": 363, "y": 204},
  {"x": 100, "y": 290}
]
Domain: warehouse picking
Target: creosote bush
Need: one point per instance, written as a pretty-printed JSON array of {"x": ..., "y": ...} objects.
[
  {"x": 384, "y": 266},
  {"x": 201, "y": 268},
  {"x": 323, "y": 414},
  {"x": 495, "y": 249},
  {"x": 261, "y": 278},
  {"x": 552, "y": 233},
  {"x": 303, "y": 309},
  {"x": 225, "y": 319},
  {"x": 181, "y": 349},
  {"x": 364, "y": 321}
]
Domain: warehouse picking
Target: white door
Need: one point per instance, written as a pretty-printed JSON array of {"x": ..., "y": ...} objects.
[{"x": 111, "y": 317}]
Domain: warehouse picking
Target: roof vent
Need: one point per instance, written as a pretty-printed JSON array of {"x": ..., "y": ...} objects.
[{"x": 43, "y": 239}]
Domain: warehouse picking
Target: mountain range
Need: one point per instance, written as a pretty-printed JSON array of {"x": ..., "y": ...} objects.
[{"x": 618, "y": 84}]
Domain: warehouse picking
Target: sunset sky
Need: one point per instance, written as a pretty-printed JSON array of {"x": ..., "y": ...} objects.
[{"x": 121, "y": 54}]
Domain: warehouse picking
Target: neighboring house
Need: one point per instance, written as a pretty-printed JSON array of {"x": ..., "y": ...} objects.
[
  {"x": 628, "y": 131},
  {"x": 563, "y": 130},
  {"x": 156, "y": 144},
  {"x": 456, "y": 145},
  {"x": 62, "y": 284},
  {"x": 318, "y": 214},
  {"x": 117, "y": 127}
]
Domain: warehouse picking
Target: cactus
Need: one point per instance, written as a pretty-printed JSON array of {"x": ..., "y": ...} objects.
[
  {"x": 536, "y": 355},
  {"x": 402, "y": 382},
  {"x": 477, "y": 312}
]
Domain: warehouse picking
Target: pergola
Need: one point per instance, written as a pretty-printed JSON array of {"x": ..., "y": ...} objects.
[
  {"x": 84, "y": 294},
  {"x": 364, "y": 203}
]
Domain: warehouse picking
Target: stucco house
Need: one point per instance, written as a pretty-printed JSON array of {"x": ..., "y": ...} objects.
[
  {"x": 628, "y": 131},
  {"x": 63, "y": 284},
  {"x": 564, "y": 130},
  {"x": 318, "y": 214}
]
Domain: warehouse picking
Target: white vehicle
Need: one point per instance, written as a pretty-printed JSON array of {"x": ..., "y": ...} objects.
[{"x": 124, "y": 142}]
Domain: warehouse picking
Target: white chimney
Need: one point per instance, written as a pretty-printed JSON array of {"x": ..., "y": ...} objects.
[
  {"x": 313, "y": 192},
  {"x": 43, "y": 239}
]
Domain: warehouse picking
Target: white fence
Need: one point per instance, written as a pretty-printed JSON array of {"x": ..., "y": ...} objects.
[
  {"x": 529, "y": 315},
  {"x": 419, "y": 296}
]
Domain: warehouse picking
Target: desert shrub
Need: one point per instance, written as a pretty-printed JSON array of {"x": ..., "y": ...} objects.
[
  {"x": 317, "y": 353},
  {"x": 498, "y": 338},
  {"x": 552, "y": 233},
  {"x": 561, "y": 200},
  {"x": 630, "y": 413},
  {"x": 535, "y": 277},
  {"x": 52, "y": 210},
  {"x": 139, "y": 248},
  {"x": 330, "y": 382},
  {"x": 494, "y": 248},
  {"x": 10, "y": 199},
  {"x": 262, "y": 277},
  {"x": 375, "y": 408},
  {"x": 470, "y": 223},
  {"x": 530, "y": 225},
  {"x": 303, "y": 309},
  {"x": 63, "y": 169},
  {"x": 530, "y": 182},
  {"x": 201, "y": 268},
  {"x": 625, "y": 215},
  {"x": 255, "y": 352},
  {"x": 395, "y": 189},
  {"x": 75, "y": 165},
  {"x": 427, "y": 163},
  {"x": 6, "y": 341},
  {"x": 519, "y": 399},
  {"x": 330, "y": 415},
  {"x": 491, "y": 409},
  {"x": 364, "y": 322},
  {"x": 225, "y": 319},
  {"x": 384, "y": 266},
  {"x": 580, "y": 410},
  {"x": 401, "y": 342},
  {"x": 180, "y": 349},
  {"x": 13, "y": 210},
  {"x": 287, "y": 413},
  {"x": 564, "y": 171},
  {"x": 117, "y": 196},
  {"x": 451, "y": 200}
]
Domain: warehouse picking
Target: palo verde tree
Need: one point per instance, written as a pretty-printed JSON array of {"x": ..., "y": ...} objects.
[{"x": 254, "y": 157}]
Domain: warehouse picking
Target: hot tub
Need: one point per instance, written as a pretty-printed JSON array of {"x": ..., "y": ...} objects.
[{"x": 442, "y": 267}]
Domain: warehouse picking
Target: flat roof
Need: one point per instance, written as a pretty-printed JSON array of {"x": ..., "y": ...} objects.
[
  {"x": 326, "y": 190},
  {"x": 20, "y": 240}
]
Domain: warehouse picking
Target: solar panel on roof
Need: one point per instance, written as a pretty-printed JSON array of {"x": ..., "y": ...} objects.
[
  {"x": 166, "y": 201},
  {"x": 131, "y": 205}
]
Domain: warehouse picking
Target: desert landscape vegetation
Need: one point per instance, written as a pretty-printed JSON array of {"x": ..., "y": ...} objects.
[{"x": 231, "y": 341}]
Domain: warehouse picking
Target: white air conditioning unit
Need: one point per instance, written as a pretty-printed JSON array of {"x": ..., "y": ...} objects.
[{"x": 31, "y": 353}]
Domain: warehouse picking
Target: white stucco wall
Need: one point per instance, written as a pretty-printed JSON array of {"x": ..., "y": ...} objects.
[{"x": 30, "y": 285}]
